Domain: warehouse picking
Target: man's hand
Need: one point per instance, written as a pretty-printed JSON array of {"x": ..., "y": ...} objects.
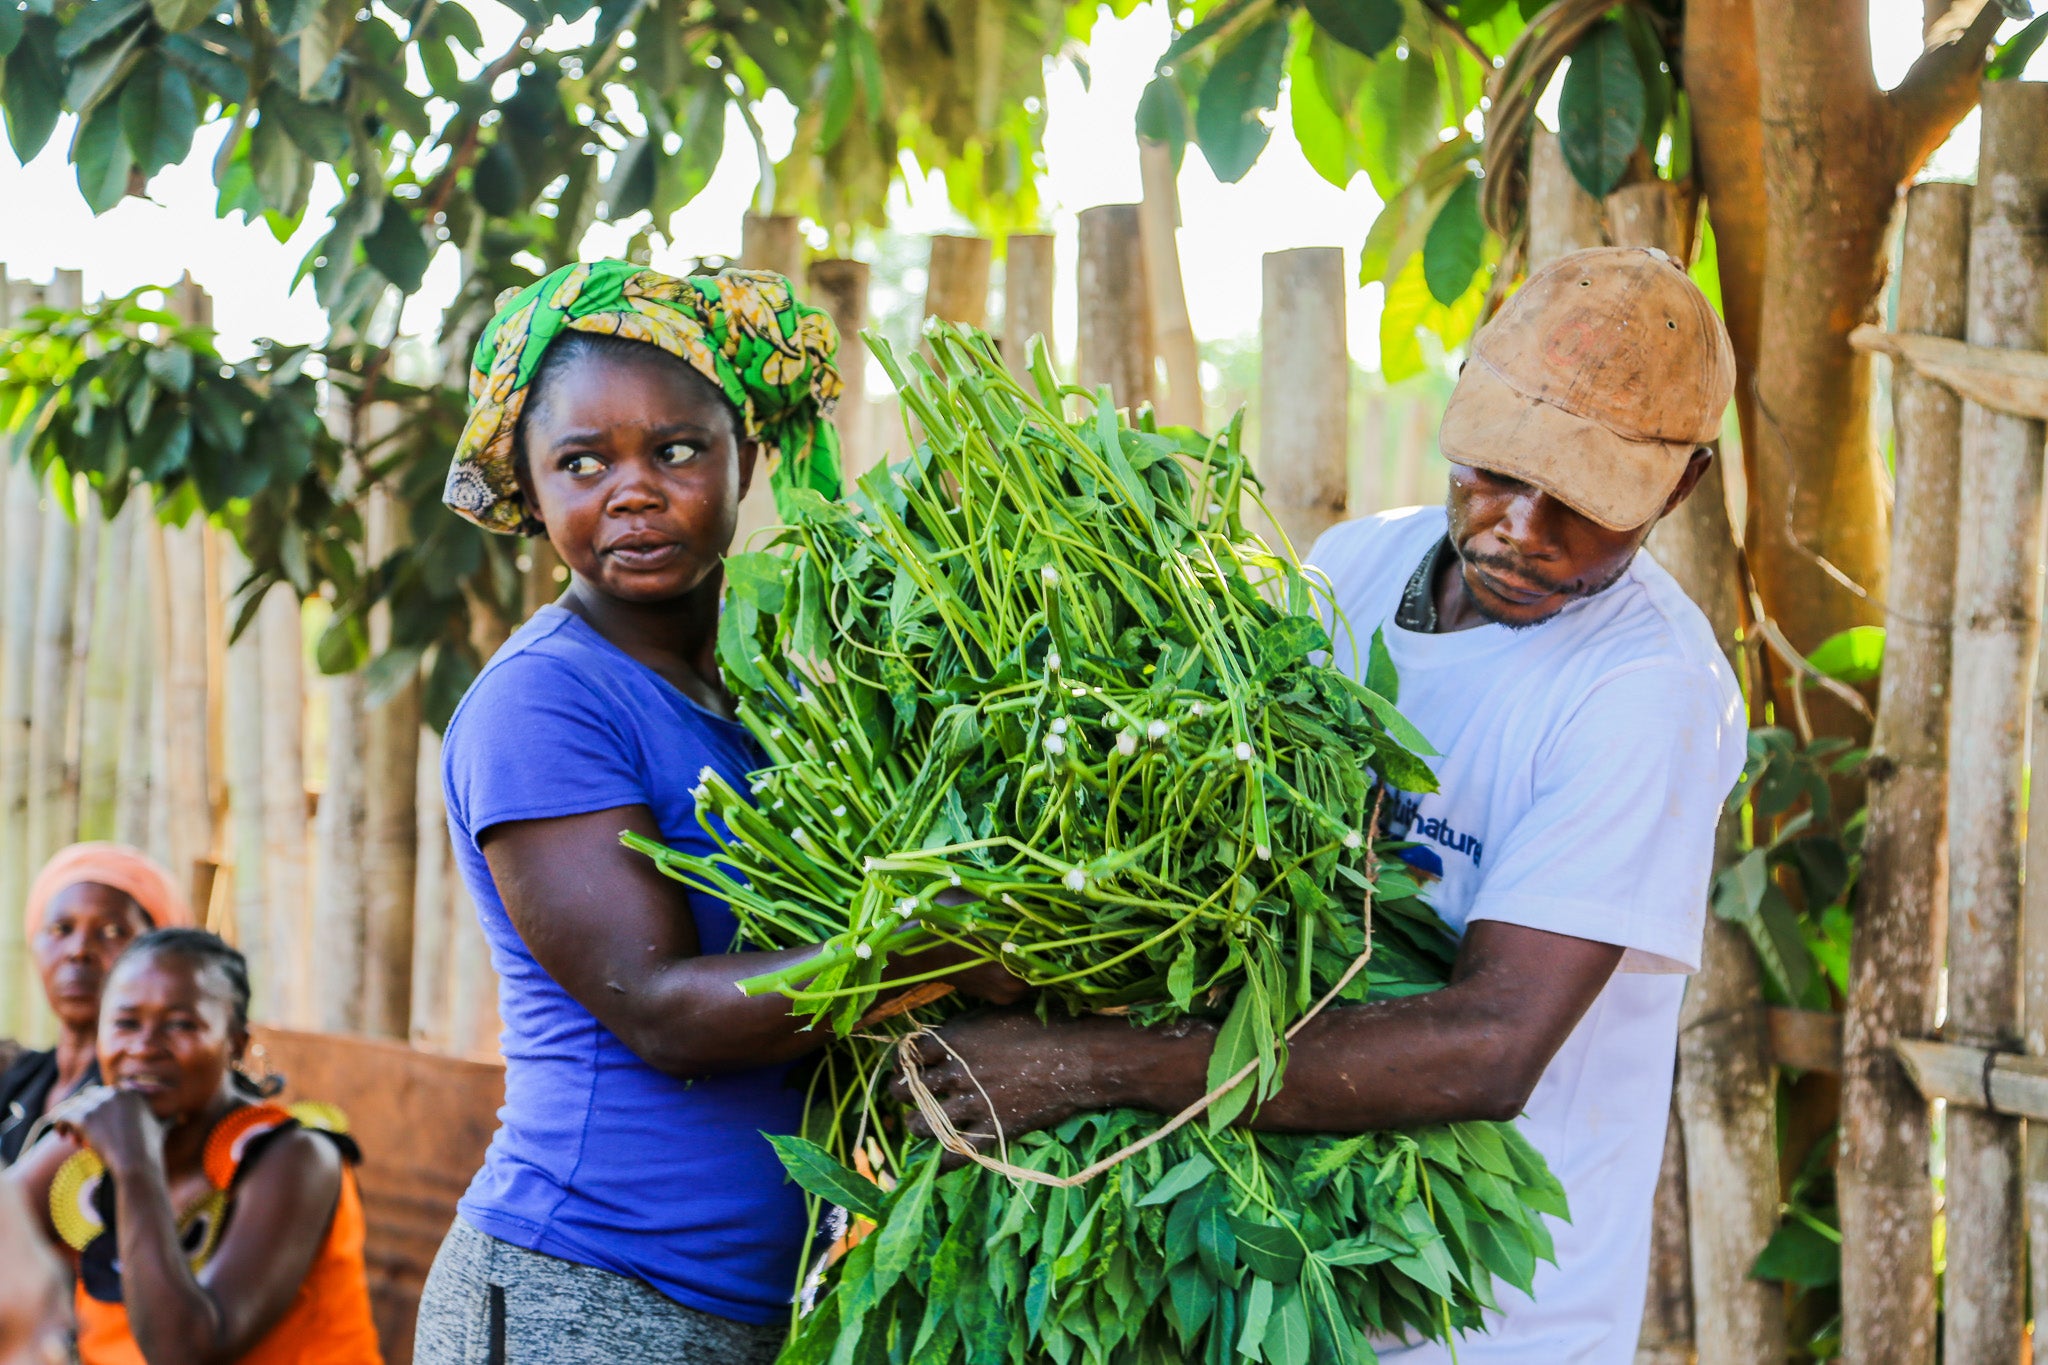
[
  {"x": 1004, "y": 1071},
  {"x": 117, "y": 1124},
  {"x": 1473, "y": 1050}
]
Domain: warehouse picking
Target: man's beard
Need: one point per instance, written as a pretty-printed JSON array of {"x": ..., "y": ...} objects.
[{"x": 1569, "y": 593}]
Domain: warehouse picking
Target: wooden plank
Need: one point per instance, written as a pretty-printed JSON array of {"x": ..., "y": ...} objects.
[
  {"x": 423, "y": 1122},
  {"x": 1978, "y": 1079},
  {"x": 1805, "y": 1040},
  {"x": 1304, "y": 392}
]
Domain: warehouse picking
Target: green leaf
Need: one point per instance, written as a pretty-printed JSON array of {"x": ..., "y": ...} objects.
[
  {"x": 1600, "y": 113},
  {"x": 2010, "y": 61},
  {"x": 1855, "y": 655},
  {"x": 389, "y": 672},
  {"x": 398, "y": 249},
  {"x": 282, "y": 173},
  {"x": 498, "y": 181},
  {"x": 1163, "y": 115},
  {"x": 1367, "y": 26},
  {"x": 170, "y": 365},
  {"x": 1242, "y": 88},
  {"x": 175, "y": 16},
  {"x": 94, "y": 23},
  {"x": 1319, "y": 117},
  {"x": 159, "y": 115},
  {"x": 1178, "y": 1181},
  {"x": 13, "y": 21},
  {"x": 1288, "y": 1340},
  {"x": 901, "y": 1238},
  {"x": 761, "y": 578},
  {"x": 1285, "y": 643},
  {"x": 447, "y": 681},
  {"x": 1402, "y": 114},
  {"x": 1268, "y": 1250},
  {"x": 814, "y": 1168},
  {"x": 1397, "y": 725},
  {"x": 1800, "y": 1254},
  {"x": 1258, "y": 1310},
  {"x": 342, "y": 646},
  {"x": 1380, "y": 674},
  {"x": 678, "y": 179},
  {"x": 1237, "y": 1043},
  {"x": 1451, "y": 251},
  {"x": 630, "y": 187},
  {"x": 1180, "y": 977},
  {"x": 100, "y": 158}
]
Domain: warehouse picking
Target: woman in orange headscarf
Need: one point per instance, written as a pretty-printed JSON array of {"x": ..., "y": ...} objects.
[{"x": 85, "y": 907}]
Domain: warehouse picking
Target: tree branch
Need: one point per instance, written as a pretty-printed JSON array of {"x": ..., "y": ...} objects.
[
  {"x": 1940, "y": 88},
  {"x": 1442, "y": 16}
]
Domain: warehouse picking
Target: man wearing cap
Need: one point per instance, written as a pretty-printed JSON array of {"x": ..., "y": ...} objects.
[{"x": 1589, "y": 729}]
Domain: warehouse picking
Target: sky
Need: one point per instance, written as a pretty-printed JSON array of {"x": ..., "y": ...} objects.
[{"x": 1281, "y": 204}]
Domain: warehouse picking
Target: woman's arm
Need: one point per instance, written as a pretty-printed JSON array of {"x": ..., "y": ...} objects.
[
  {"x": 1473, "y": 1050},
  {"x": 283, "y": 1207},
  {"x": 617, "y": 934}
]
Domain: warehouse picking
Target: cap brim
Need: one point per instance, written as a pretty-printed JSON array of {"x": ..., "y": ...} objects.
[{"x": 1609, "y": 479}]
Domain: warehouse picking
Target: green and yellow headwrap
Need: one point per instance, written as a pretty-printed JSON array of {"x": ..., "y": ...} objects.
[{"x": 743, "y": 330}]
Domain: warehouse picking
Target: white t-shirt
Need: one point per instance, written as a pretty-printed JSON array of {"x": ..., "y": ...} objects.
[{"x": 1584, "y": 765}]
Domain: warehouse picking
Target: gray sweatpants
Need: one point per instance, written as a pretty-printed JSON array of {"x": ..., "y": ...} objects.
[{"x": 488, "y": 1302}]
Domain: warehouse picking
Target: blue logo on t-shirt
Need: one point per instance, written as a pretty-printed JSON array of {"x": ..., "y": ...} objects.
[{"x": 1406, "y": 822}]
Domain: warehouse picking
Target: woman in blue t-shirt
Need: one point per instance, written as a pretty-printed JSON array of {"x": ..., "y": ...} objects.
[{"x": 629, "y": 1208}]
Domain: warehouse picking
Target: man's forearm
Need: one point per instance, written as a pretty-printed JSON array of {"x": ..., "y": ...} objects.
[{"x": 1425, "y": 1059}]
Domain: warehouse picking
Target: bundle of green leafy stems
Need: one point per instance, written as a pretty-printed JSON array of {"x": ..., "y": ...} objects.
[{"x": 1037, "y": 692}]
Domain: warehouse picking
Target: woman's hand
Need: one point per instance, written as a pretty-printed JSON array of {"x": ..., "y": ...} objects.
[
  {"x": 116, "y": 1124},
  {"x": 1005, "y": 1071}
]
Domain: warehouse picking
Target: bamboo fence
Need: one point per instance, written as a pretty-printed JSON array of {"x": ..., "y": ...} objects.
[{"x": 308, "y": 820}]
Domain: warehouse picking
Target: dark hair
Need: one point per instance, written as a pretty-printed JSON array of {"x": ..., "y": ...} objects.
[
  {"x": 572, "y": 346},
  {"x": 203, "y": 949}
]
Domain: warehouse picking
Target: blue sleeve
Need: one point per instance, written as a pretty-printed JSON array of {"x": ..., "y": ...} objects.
[{"x": 535, "y": 740}]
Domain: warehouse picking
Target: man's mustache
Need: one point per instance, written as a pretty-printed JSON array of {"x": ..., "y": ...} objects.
[{"x": 1520, "y": 572}]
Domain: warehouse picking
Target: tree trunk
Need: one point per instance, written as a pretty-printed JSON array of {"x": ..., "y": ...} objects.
[
  {"x": 1304, "y": 392},
  {"x": 1886, "y": 1190},
  {"x": 281, "y": 638},
  {"x": 956, "y": 288},
  {"x": 1997, "y": 611},
  {"x": 1115, "y": 334},
  {"x": 1029, "y": 278},
  {"x": 1667, "y": 1335},
  {"x": 390, "y": 823},
  {"x": 1563, "y": 218},
  {"x": 1173, "y": 334},
  {"x": 840, "y": 287}
]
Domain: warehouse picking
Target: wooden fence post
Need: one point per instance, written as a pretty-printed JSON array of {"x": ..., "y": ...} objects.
[
  {"x": 432, "y": 971},
  {"x": 21, "y": 550},
  {"x": 390, "y": 780},
  {"x": 50, "y": 684},
  {"x": 773, "y": 241},
  {"x": 1885, "y": 1189},
  {"x": 1997, "y": 620},
  {"x": 1029, "y": 277},
  {"x": 1173, "y": 334},
  {"x": 135, "y": 769},
  {"x": 1725, "y": 1087},
  {"x": 106, "y": 684},
  {"x": 1304, "y": 392},
  {"x": 183, "y": 649},
  {"x": 840, "y": 287},
  {"x": 1115, "y": 334},
  {"x": 280, "y": 638},
  {"x": 242, "y": 739},
  {"x": 339, "y": 941},
  {"x": 956, "y": 286}
]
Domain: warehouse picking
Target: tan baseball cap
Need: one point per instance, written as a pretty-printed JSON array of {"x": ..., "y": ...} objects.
[{"x": 1595, "y": 383}]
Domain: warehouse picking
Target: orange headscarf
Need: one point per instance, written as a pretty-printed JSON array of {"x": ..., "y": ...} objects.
[{"x": 117, "y": 865}]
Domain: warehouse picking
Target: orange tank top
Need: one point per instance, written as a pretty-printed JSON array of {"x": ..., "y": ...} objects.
[{"x": 329, "y": 1322}]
